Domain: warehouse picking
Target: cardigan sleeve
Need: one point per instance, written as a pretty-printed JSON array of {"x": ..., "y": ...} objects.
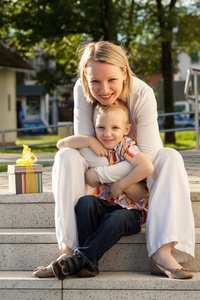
[
  {"x": 143, "y": 111},
  {"x": 83, "y": 125}
]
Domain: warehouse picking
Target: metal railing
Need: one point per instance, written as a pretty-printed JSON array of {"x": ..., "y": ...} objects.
[
  {"x": 176, "y": 114},
  {"x": 194, "y": 71},
  {"x": 69, "y": 124},
  {"x": 3, "y": 132}
]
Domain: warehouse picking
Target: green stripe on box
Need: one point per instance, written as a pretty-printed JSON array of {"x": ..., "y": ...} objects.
[
  {"x": 30, "y": 186},
  {"x": 41, "y": 187},
  {"x": 36, "y": 182}
]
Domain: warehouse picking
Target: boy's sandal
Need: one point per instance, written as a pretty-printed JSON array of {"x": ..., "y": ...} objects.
[
  {"x": 68, "y": 266},
  {"x": 87, "y": 271}
]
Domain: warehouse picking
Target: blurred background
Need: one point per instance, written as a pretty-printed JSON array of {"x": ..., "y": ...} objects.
[{"x": 38, "y": 59}]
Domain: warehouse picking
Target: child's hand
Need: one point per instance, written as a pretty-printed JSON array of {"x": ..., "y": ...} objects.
[
  {"x": 116, "y": 189},
  {"x": 97, "y": 147},
  {"x": 91, "y": 178}
]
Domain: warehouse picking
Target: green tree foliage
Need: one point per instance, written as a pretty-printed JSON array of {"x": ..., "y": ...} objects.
[
  {"x": 152, "y": 31},
  {"x": 167, "y": 28}
]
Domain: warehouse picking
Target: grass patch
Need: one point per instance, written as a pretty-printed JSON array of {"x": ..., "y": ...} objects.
[
  {"x": 3, "y": 168},
  {"x": 185, "y": 140},
  {"x": 35, "y": 139}
]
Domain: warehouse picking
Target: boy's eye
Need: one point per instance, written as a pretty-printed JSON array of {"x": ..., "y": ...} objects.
[{"x": 115, "y": 127}]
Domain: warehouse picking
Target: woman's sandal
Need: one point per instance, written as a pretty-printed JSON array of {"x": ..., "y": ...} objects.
[
  {"x": 68, "y": 266},
  {"x": 43, "y": 272},
  {"x": 157, "y": 269}
]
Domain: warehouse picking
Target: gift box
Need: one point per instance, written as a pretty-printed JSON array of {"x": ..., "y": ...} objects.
[{"x": 25, "y": 179}]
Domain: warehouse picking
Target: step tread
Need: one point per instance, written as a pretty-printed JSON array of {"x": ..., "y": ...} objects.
[
  {"x": 30, "y": 235},
  {"x": 48, "y": 236},
  {"x": 48, "y": 197},
  {"x": 104, "y": 281}
]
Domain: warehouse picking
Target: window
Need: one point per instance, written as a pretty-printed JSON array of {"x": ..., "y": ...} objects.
[
  {"x": 194, "y": 57},
  {"x": 33, "y": 105},
  {"x": 9, "y": 103}
]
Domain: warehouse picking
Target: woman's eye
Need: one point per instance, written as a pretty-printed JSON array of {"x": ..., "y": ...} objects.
[
  {"x": 112, "y": 79},
  {"x": 94, "y": 81}
]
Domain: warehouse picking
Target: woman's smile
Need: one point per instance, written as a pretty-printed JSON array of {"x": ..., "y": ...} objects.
[{"x": 105, "y": 81}]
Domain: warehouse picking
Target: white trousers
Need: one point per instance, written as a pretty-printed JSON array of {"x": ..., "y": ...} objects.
[{"x": 170, "y": 217}]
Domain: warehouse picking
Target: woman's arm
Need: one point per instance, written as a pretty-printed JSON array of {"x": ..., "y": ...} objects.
[
  {"x": 142, "y": 169},
  {"x": 83, "y": 125},
  {"x": 143, "y": 112}
]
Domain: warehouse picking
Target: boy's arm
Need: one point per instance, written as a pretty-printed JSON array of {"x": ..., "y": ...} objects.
[
  {"x": 142, "y": 169},
  {"x": 81, "y": 141}
]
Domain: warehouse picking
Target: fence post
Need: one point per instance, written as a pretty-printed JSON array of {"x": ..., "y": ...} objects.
[
  {"x": 3, "y": 138},
  {"x": 196, "y": 91}
]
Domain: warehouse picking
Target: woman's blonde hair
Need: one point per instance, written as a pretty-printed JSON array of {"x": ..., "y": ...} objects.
[{"x": 105, "y": 52}]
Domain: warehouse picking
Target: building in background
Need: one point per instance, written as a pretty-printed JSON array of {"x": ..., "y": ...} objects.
[{"x": 10, "y": 64}]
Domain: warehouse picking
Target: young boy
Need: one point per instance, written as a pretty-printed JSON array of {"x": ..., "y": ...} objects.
[{"x": 112, "y": 212}]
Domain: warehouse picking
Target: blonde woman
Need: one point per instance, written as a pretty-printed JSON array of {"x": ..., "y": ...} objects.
[{"x": 105, "y": 76}]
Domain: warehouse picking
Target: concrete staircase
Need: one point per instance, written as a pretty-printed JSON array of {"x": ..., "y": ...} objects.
[{"x": 27, "y": 240}]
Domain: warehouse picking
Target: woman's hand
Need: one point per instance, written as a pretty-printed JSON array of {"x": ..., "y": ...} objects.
[
  {"x": 91, "y": 178},
  {"x": 116, "y": 189},
  {"x": 135, "y": 192}
]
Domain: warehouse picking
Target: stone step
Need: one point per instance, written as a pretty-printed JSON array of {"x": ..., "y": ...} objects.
[
  {"x": 27, "y": 210},
  {"x": 25, "y": 249},
  {"x": 37, "y": 210},
  {"x": 107, "y": 285}
]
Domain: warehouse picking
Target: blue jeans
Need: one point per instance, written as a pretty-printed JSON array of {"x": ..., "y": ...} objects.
[{"x": 101, "y": 226}]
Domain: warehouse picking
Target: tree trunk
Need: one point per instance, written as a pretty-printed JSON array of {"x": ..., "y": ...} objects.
[
  {"x": 165, "y": 16},
  {"x": 106, "y": 20},
  {"x": 130, "y": 22},
  {"x": 167, "y": 72}
]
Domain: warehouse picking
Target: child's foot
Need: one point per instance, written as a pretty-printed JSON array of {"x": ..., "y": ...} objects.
[{"x": 45, "y": 272}]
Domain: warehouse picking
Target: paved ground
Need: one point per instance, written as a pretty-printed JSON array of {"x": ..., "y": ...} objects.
[{"x": 191, "y": 159}]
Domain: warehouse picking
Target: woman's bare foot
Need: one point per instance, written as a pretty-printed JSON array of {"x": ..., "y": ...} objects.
[
  {"x": 44, "y": 272},
  {"x": 164, "y": 257}
]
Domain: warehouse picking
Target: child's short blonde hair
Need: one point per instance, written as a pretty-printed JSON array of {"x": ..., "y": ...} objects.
[
  {"x": 105, "y": 52},
  {"x": 104, "y": 109}
]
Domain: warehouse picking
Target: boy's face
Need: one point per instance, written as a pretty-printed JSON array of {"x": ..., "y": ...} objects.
[{"x": 111, "y": 127}]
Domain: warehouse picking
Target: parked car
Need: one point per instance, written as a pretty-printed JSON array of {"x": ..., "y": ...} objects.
[
  {"x": 179, "y": 122},
  {"x": 185, "y": 106}
]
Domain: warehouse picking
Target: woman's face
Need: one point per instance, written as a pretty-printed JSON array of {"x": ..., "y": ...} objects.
[{"x": 105, "y": 81}]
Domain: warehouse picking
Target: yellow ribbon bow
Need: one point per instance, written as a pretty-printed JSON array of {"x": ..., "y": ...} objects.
[{"x": 28, "y": 158}]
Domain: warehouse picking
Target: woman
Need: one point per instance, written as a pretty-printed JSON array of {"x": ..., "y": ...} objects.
[{"x": 105, "y": 75}]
